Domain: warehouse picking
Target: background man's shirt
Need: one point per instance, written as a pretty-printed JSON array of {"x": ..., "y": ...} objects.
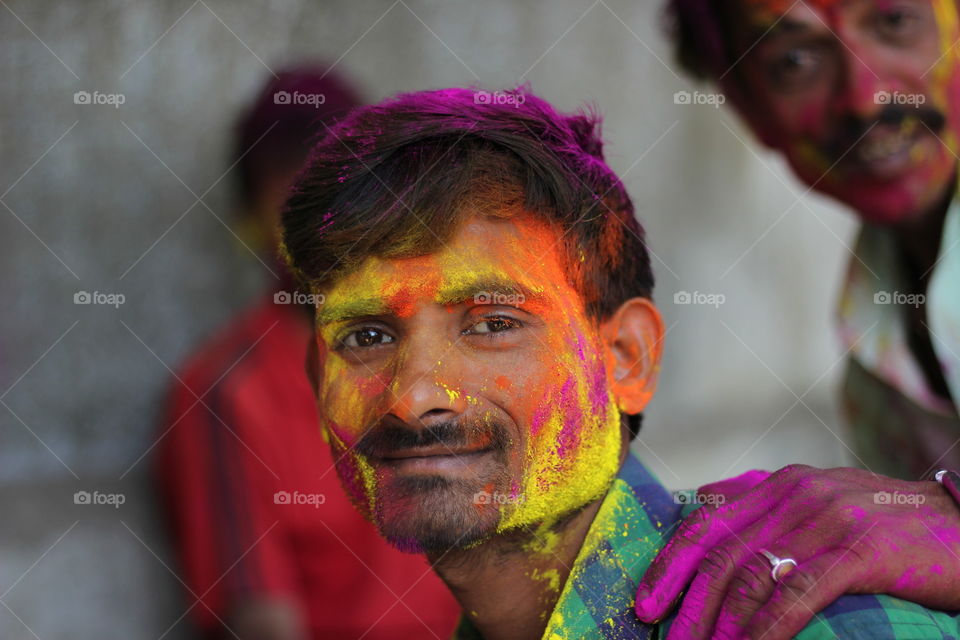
[
  {"x": 634, "y": 522},
  {"x": 900, "y": 426},
  {"x": 244, "y": 472}
]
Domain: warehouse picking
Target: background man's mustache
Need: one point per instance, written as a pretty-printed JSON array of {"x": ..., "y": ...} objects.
[
  {"x": 388, "y": 437},
  {"x": 852, "y": 129}
]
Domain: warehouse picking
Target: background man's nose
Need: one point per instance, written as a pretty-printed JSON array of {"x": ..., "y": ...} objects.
[{"x": 862, "y": 89}]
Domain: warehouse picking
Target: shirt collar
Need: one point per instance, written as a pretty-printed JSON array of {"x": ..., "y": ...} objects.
[
  {"x": 872, "y": 326},
  {"x": 634, "y": 521}
]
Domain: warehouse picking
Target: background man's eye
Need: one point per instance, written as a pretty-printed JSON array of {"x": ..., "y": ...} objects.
[
  {"x": 795, "y": 62},
  {"x": 898, "y": 25},
  {"x": 495, "y": 325},
  {"x": 367, "y": 337}
]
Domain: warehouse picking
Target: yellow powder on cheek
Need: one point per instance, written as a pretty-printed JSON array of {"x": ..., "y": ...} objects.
[
  {"x": 570, "y": 459},
  {"x": 576, "y": 454},
  {"x": 946, "y": 67}
]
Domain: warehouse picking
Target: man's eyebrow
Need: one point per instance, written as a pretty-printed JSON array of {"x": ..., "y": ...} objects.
[
  {"x": 783, "y": 27},
  {"x": 486, "y": 291},
  {"x": 351, "y": 309}
]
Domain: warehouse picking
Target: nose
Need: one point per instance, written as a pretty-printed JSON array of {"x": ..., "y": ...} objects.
[
  {"x": 862, "y": 88},
  {"x": 424, "y": 390}
]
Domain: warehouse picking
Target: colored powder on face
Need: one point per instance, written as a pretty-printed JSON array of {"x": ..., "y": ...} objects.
[
  {"x": 572, "y": 418},
  {"x": 779, "y": 7},
  {"x": 573, "y": 439},
  {"x": 551, "y": 577},
  {"x": 452, "y": 394},
  {"x": 943, "y": 87}
]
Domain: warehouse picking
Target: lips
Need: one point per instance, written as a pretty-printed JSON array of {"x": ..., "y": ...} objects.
[
  {"x": 430, "y": 452},
  {"x": 434, "y": 459}
]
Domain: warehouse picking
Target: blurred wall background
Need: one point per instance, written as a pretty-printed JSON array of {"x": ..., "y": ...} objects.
[{"x": 134, "y": 199}]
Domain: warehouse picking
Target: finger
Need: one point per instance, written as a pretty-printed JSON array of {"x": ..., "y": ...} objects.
[
  {"x": 750, "y": 587},
  {"x": 677, "y": 562},
  {"x": 753, "y": 586},
  {"x": 801, "y": 594},
  {"x": 701, "y": 605}
]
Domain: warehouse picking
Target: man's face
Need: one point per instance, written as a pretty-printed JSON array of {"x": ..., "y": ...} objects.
[
  {"x": 862, "y": 96},
  {"x": 465, "y": 392}
]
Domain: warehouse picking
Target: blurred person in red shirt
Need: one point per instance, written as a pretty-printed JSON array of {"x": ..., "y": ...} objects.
[{"x": 268, "y": 543}]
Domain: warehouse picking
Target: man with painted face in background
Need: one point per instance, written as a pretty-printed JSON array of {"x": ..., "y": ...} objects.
[
  {"x": 862, "y": 97},
  {"x": 485, "y": 344}
]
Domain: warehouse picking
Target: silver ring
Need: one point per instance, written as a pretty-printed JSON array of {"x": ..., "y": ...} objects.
[{"x": 781, "y": 566}]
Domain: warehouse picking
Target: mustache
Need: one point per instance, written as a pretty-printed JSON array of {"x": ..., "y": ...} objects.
[
  {"x": 388, "y": 437},
  {"x": 853, "y": 128}
]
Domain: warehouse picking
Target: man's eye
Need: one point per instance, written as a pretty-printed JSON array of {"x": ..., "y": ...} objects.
[
  {"x": 494, "y": 324},
  {"x": 896, "y": 23},
  {"x": 795, "y": 64},
  {"x": 366, "y": 337}
]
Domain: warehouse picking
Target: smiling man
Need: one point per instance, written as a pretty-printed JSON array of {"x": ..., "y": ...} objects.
[
  {"x": 862, "y": 98},
  {"x": 484, "y": 349}
]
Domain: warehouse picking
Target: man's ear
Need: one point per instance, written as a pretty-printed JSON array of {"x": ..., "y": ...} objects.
[{"x": 632, "y": 342}]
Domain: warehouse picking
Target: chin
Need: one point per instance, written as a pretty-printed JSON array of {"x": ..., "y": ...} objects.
[
  {"x": 433, "y": 514},
  {"x": 892, "y": 201}
]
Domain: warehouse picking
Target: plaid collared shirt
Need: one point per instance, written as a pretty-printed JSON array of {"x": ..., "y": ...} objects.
[{"x": 636, "y": 518}]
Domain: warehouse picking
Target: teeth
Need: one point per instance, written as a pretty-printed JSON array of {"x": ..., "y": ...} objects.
[{"x": 883, "y": 147}]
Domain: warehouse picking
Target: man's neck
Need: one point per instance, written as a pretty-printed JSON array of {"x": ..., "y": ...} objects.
[{"x": 509, "y": 585}]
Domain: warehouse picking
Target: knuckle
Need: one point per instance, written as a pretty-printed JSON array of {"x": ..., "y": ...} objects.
[
  {"x": 748, "y": 589},
  {"x": 719, "y": 562},
  {"x": 696, "y": 525},
  {"x": 794, "y": 471},
  {"x": 843, "y": 515},
  {"x": 817, "y": 484},
  {"x": 790, "y": 475},
  {"x": 797, "y": 584}
]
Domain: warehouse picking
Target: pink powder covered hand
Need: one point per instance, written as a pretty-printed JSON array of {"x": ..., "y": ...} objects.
[{"x": 850, "y": 531}]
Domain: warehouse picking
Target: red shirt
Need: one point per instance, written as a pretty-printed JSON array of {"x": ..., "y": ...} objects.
[{"x": 221, "y": 462}]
